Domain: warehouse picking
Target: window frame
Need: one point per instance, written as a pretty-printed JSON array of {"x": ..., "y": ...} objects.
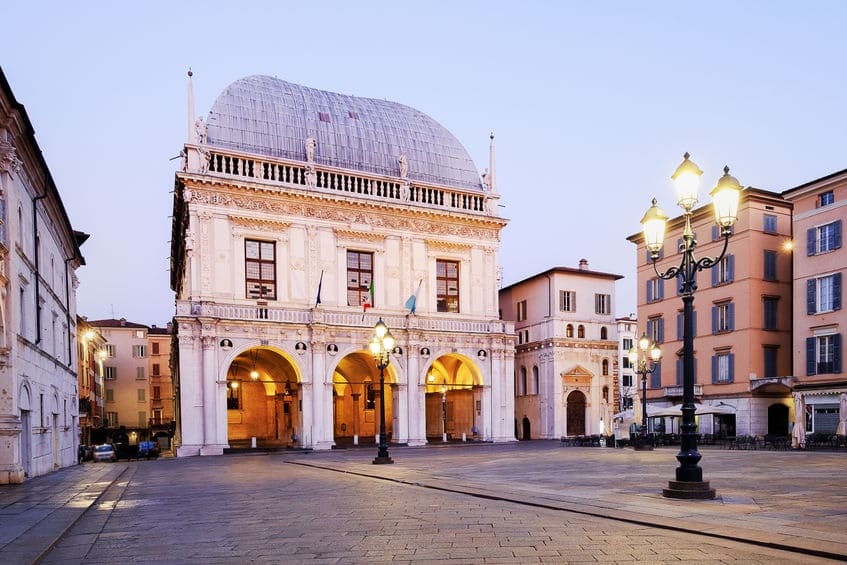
[
  {"x": 261, "y": 261},
  {"x": 449, "y": 300},
  {"x": 359, "y": 277},
  {"x": 567, "y": 301}
]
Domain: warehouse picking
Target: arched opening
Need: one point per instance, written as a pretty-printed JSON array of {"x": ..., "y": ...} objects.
[
  {"x": 778, "y": 420},
  {"x": 527, "y": 429},
  {"x": 604, "y": 333},
  {"x": 355, "y": 397},
  {"x": 262, "y": 399},
  {"x": 580, "y": 332},
  {"x": 522, "y": 382},
  {"x": 569, "y": 330},
  {"x": 454, "y": 398},
  {"x": 605, "y": 367},
  {"x": 535, "y": 379},
  {"x": 576, "y": 414}
]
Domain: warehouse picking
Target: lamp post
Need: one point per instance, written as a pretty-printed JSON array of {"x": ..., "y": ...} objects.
[
  {"x": 444, "y": 413},
  {"x": 381, "y": 346},
  {"x": 643, "y": 358},
  {"x": 725, "y": 195}
]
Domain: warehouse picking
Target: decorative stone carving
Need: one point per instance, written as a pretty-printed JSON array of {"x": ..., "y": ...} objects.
[
  {"x": 200, "y": 130},
  {"x": 311, "y": 143},
  {"x": 9, "y": 161}
]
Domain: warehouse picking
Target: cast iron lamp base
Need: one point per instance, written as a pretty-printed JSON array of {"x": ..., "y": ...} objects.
[
  {"x": 689, "y": 490},
  {"x": 378, "y": 460}
]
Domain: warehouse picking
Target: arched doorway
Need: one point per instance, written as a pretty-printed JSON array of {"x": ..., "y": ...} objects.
[
  {"x": 355, "y": 400},
  {"x": 778, "y": 420},
  {"x": 576, "y": 414},
  {"x": 527, "y": 429},
  {"x": 263, "y": 399},
  {"x": 453, "y": 398}
]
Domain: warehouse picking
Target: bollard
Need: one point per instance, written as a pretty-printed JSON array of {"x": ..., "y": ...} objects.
[
  {"x": 355, "y": 439},
  {"x": 464, "y": 436},
  {"x": 253, "y": 442}
]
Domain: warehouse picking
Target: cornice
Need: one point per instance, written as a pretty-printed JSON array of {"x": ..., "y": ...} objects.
[
  {"x": 255, "y": 223},
  {"x": 440, "y": 245},
  {"x": 354, "y": 235}
]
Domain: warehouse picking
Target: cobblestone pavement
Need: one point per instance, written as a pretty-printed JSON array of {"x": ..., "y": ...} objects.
[{"x": 521, "y": 503}]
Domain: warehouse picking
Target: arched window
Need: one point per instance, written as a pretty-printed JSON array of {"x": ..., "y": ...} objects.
[
  {"x": 535, "y": 379},
  {"x": 580, "y": 332},
  {"x": 522, "y": 384},
  {"x": 603, "y": 333},
  {"x": 605, "y": 367},
  {"x": 569, "y": 331}
]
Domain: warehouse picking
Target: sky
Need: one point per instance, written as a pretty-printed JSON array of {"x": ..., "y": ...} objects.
[{"x": 592, "y": 105}]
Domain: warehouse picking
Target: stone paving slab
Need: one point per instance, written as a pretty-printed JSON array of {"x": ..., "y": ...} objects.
[{"x": 533, "y": 502}]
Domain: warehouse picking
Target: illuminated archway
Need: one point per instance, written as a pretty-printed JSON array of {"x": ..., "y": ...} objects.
[
  {"x": 263, "y": 398},
  {"x": 453, "y": 398},
  {"x": 355, "y": 399}
]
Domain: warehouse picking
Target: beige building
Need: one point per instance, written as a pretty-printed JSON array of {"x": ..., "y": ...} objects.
[
  {"x": 301, "y": 218},
  {"x": 162, "y": 409},
  {"x": 820, "y": 261},
  {"x": 39, "y": 255},
  {"x": 742, "y": 318},
  {"x": 566, "y": 352}
]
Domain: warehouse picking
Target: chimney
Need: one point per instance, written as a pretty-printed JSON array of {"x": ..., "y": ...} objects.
[
  {"x": 123, "y": 322},
  {"x": 583, "y": 264}
]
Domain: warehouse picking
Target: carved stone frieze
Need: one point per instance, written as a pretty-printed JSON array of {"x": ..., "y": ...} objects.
[
  {"x": 353, "y": 236},
  {"x": 9, "y": 161},
  {"x": 259, "y": 224},
  {"x": 440, "y": 245}
]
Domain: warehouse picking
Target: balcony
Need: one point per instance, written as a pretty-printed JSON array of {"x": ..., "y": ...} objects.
[{"x": 677, "y": 390}]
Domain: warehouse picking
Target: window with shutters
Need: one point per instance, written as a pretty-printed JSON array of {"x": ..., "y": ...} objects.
[
  {"x": 769, "y": 223},
  {"x": 769, "y": 310},
  {"x": 656, "y": 376},
  {"x": 723, "y": 317},
  {"x": 656, "y": 329},
  {"x": 823, "y": 354},
  {"x": 520, "y": 307},
  {"x": 260, "y": 269},
  {"x": 722, "y": 367},
  {"x": 769, "y": 265},
  {"x": 826, "y": 198},
  {"x": 447, "y": 285},
  {"x": 567, "y": 301},
  {"x": 823, "y": 239},
  {"x": 680, "y": 328},
  {"x": 602, "y": 303},
  {"x": 771, "y": 354},
  {"x": 680, "y": 370},
  {"x": 655, "y": 289},
  {"x": 724, "y": 271},
  {"x": 359, "y": 276},
  {"x": 823, "y": 294}
]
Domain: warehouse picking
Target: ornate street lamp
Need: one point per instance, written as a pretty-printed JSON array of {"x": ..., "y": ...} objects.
[
  {"x": 725, "y": 197},
  {"x": 644, "y": 358},
  {"x": 381, "y": 346}
]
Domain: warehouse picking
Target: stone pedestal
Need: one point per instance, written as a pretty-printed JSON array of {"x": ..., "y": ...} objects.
[{"x": 689, "y": 490}]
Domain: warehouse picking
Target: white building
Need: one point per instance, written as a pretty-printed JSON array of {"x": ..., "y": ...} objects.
[
  {"x": 301, "y": 217},
  {"x": 566, "y": 352},
  {"x": 39, "y": 254}
]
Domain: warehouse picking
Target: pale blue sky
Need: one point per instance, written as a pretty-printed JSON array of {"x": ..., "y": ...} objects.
[{"x": 592, "y": 105}]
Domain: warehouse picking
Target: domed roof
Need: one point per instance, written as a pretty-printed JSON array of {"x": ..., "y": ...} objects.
[{"x": 269, "y": 116}]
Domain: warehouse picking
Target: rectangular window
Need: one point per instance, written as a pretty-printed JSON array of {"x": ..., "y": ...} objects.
[
  {"x": 823, "y": 354},
  {"x": 232, "y": 396},
  {"x": 656, "y": 329},
  {"x": 769, "y": 223},
  {"x": 769, "y": 309},
  {"x": 110, "y": 373},
  {"x": 656, "y": 376},
  {"x": 770, "y": 265},
  {"x": 157, "y": 393},
  {"x": 520, "y": 308},
  {"x": 139, "y": 373},
  {"x": 626, "y": 344},
  {"x": 260, "y": 269},
  {"x": 142, "y": 394},
  {"x": 826, "y": 198},
  {"x": 823, "y": 294},
  {"x": 770, "y": 357},
  {"x": 602, "y": 303},
  {"x": 447, "y": 285},
  {"x": 139, "y": 351},
  {"x": 655, "y": 289},
  {"x": 155, "y": 347},
  {"x": 110, "y": 349},
  {"x": 359, "y": 277},
  {"x": 156, "y": 370},
  {"x": 110, "y": 395},
  {"x": 823, "y": 239},
  {"x": 627, "y": 379},
  {"x": 680, "y": 371},
  {"x": 567, "y": 301},
  {"x": 157, "y": 417},
  {"x": 723, "y": 317},
  {"x": 323, "y": 116},
  {"x": 139, "y": 334},
  {"x": 680, "y": 329},
  {"x": 724, "y": 271},
  {"x": 112, "y": 419},
  {"x": 723, "y": 370},
  {"x": 142, "y": 419}
]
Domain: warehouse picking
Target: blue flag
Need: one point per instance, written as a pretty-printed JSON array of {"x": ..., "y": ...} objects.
[
  {"x": 320, "y": 283},
  {"x": 412, "y": 302}
]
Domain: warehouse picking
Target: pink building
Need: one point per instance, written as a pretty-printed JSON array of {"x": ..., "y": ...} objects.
[
  {"x": 820, "y": 261},
  {"x": 742, "y": 319}
]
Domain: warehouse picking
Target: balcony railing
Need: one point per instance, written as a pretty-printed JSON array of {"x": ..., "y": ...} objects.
[
  {"x": 677, "y": 390},
  {"x": 248, "y": 312}
]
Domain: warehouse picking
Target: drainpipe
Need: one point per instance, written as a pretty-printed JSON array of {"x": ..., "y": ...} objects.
[
  {"x": 68, "y": 311},
  {"x": 37, "y": 267}
]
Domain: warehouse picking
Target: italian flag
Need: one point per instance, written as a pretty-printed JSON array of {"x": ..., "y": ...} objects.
[{"x": 369, "y": 299}]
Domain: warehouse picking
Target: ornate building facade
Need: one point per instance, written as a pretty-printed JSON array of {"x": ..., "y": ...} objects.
[
  {"x": 301, "y": 217},
  {"x": 39, "y": 255},
  {"x": 567, "y": 352}
]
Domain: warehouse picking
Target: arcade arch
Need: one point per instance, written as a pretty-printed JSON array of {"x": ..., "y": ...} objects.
[
  {"x": 263, "y": 398},
  {"x": 453, "y": 391},
  {"x": 355, "y": 399}
]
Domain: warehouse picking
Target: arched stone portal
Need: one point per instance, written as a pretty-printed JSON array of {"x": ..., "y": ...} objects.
[
  {"x": 263, "y": 399},
  {"x": 355, "y": 399},
  {"x": 576, "y": 414},
  {"x": 453, "y": 398}
]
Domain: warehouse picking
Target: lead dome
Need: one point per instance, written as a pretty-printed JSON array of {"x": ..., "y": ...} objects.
[{"x": 272, "y": 117}]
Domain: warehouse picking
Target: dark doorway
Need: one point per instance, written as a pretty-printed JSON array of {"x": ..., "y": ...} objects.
[
  {"x": 526, "y": 428},
  {"x": 778, "y": 420},
  {"x": 576, "y": 414}
]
